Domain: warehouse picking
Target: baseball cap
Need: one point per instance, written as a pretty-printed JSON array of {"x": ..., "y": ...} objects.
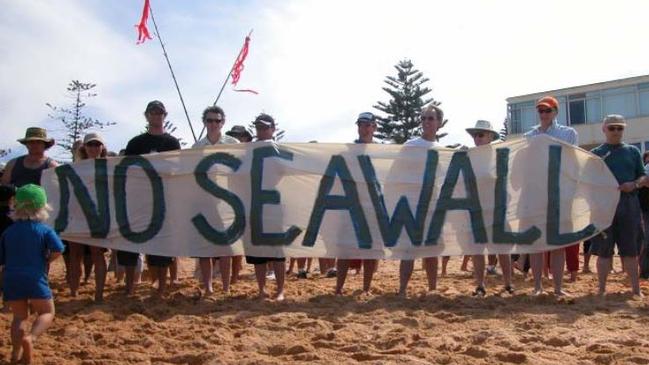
[
  {"x": 614, "y": 119},
  {"x": 366, "y": 117},
  {"x": 548, "y": 102},
  {"x": 265, "y": 119},
  {"x": 155, "y": 105}
]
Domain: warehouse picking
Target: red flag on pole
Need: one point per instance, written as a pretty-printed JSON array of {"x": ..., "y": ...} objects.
[
  {"x": 142, "y": 30},
  {"x": 237, "y": 68}
]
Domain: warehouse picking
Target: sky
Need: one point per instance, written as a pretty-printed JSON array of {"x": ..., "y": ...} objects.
[{"x": 315, "y": 64}]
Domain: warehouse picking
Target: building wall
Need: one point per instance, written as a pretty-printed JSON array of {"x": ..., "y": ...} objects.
[{"x": 583, "y": 107}]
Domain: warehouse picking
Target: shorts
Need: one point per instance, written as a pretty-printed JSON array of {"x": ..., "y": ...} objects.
[
  {"x": 21, "y": 286},
  {"x": 255, "y": 260},
  {"x": 625, "y": 232},
  {"x": 126, "y": 258},
  {"x": 159, "y": 261}
]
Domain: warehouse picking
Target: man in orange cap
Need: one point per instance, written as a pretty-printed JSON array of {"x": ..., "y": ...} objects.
[{"x": 548, "y": 108}]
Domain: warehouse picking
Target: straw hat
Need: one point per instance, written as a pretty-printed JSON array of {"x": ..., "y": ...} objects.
[{"x": 37, "y": 134}]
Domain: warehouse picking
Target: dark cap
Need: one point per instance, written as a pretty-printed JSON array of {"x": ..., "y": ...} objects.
[
  {"x": 366, "y": 117},
  {"x": 238, "y": 130},
  {"x": 265, "y": 119},
  {"x": 155, "y": 105}
]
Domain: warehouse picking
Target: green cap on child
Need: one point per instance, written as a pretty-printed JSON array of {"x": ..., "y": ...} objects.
[{"x": 30, "y": 196}]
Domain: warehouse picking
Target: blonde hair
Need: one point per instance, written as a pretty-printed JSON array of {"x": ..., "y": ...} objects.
[{"x": 32, "y": 214}]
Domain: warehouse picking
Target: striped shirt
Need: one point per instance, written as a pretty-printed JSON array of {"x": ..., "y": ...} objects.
[{"x": 556, "y": 130}]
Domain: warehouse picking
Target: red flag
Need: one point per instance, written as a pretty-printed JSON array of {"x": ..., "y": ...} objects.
[
  {"x": 237, "y": 68},
  {"x": 142, "y": 30}
]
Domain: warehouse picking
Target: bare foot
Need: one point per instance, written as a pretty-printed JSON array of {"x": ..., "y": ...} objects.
[
  {"x": 28, "y": 347},
  {"x": 338, "y": 293},
  {"x": 586, "y": 270},
  {"x": 402, "y": 294},
  {"x": 638, "y": 296},
  {"x": 537, "y": 292}
]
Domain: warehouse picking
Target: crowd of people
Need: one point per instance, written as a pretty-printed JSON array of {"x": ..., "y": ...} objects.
[{"x": 28, "y": 245}]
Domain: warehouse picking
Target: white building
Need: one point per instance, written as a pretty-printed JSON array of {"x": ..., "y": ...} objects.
[{"x": 583, "y": 107}]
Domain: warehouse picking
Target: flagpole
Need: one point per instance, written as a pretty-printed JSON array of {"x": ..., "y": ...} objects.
[
  {"x": 225, "y": 83},
  {"x": 173, "y": 76}
]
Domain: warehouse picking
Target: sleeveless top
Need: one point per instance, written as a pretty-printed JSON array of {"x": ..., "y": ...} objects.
[{"x": 21, "y": 175}]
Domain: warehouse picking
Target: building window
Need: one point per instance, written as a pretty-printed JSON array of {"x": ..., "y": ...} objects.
[
  {"x": 620, "y": 101},
  {"x": 643, "y": 98},
  {"x": 577, "y": 110}
]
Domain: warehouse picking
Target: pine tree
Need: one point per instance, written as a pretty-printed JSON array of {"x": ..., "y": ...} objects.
[
  {"x": 407, "y": 92},
  {"x": 505, "y": 130},
  {"x": 73, "y": 118},
  {"x": 4, "y": 152}
]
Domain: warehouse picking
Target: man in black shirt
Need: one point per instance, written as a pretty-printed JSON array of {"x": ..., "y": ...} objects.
[{"x": 154, "y": 140}]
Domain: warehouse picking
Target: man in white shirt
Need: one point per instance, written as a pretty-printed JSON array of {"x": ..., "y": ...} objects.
[
  {"x": 431, "y": 120},
  {"x": 214, "y": 119}
]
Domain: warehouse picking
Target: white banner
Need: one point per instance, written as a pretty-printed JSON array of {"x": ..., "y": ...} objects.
[{"x": 336, "y": 200}]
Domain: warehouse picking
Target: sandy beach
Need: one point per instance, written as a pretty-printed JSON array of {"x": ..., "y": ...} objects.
[{"x": 313, "y": 326}]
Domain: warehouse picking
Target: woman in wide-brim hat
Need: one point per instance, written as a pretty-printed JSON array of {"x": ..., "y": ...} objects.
[{"x": 28, "y": 169}]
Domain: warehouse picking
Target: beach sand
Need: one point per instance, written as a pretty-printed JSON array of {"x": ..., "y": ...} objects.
[{"x": 315, "y": 327}]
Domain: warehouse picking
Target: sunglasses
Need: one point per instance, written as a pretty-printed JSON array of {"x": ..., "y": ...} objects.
[
  {"x": 213, "y": 120},
  {"x": 94, "y": 144},
  {"x": 157, "y": 112},
  {"x": 545, "y": 111},
  {"x": 428, "y": 117},
  {"x": 614, "y": 128},
  {"x": 478, "y": 135}
]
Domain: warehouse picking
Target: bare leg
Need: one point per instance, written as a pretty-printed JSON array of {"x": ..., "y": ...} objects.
[
  {"x": 87, "y": 266},
  {"x": 506, "y": 266},
  {"x": 130, "y": 278},
  {"x": 445, "y": 260},
  {"x": 536, "y": 263},
  {"x": 558, "y": 261},
  {"x": 206, "y": 274},
  {"x": 161, "y": 276},
  {"x": 603, "y": 268},
  {"x": 99, "y": 260},
  {"x": 291, "y": 265},
  {"x": 405, "y": 273},
  {"x": 279, "y": 267},
  {"x": 260, "y": 275},
  {"x": 309, "y": 262},
  {"x": 369, "y": 268},
  {"x": 76, "y": 256},
  {"x": 20, "y": 310},
  {"x": 478, "y": 270},
  {"x": 225, "y": 264},
  {"x": 430, "y": 265},
  {"x": 631, "y": 265},
  {"x": 45, "y": 310},
  {"x": 236, "y": 268},
  {"x": 173, "y": 271},
  {"x": 586, "y": 268},
  {"x": 342, "y": 266},
  {"x": 465, "y": 263}
]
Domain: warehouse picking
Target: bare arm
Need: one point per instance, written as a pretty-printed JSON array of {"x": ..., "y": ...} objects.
[
  {"x": 53, "y": 256},
  {"x": 6, "y": 176}
]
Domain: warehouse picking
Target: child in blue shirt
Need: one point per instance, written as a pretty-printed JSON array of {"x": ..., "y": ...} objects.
[
  {"x": 7, "y": 193},
  {"x": 26, "y": 247}
]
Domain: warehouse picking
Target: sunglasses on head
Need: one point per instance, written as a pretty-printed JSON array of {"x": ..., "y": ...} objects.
[
  {"x": 615, "y": 128},
  {"x": 213, "y": 120},
  {"x": 544, "y": 111},
  {"x": 94, "y": 144}
]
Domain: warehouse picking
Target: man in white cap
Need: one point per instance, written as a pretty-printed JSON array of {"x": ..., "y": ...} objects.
[
  {"x": 484, "y": 134},
  {"x": 625, "y": 162}
]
